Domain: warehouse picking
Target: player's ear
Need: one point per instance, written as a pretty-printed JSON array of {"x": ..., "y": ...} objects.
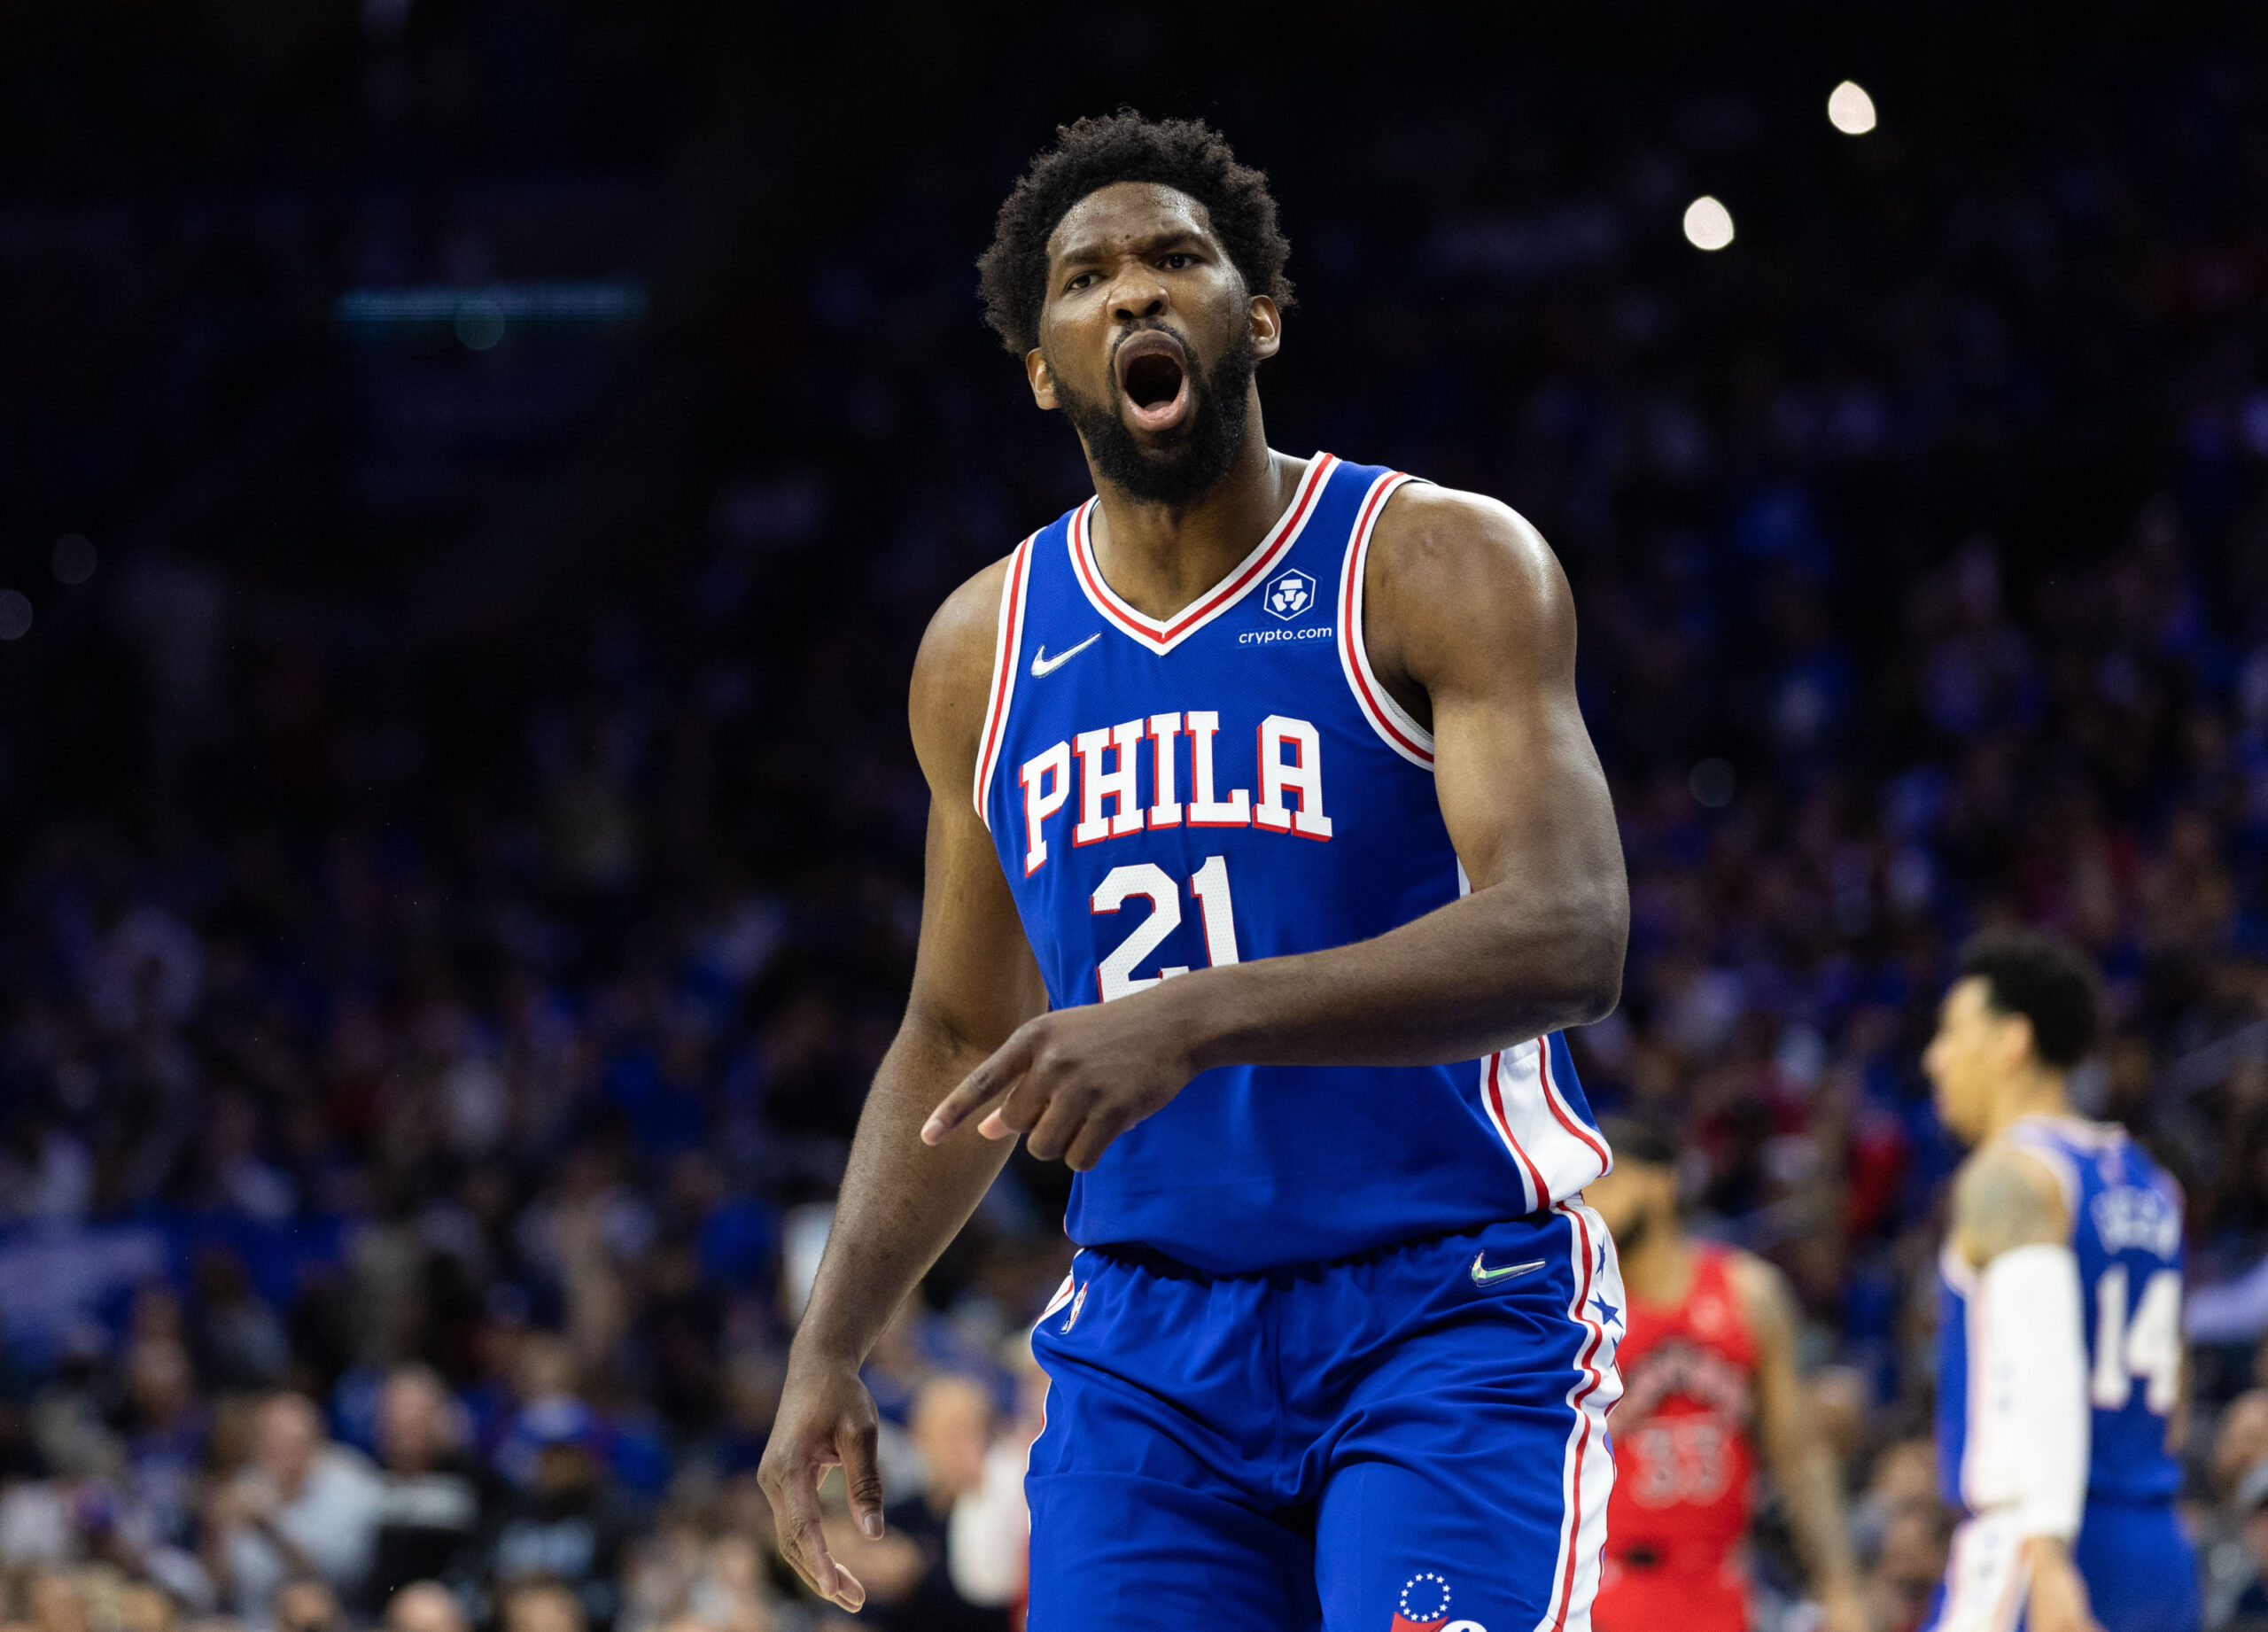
[
  {"x": 1041, "y": 378},
  {"x": 1266, "y": 328},
  {"x": 2016, "y": 1041}
]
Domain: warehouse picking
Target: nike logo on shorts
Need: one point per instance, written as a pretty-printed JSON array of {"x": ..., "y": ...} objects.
[
  {"x": 1483, "y": 1276},
  {"x": 1043, "y": 665}
]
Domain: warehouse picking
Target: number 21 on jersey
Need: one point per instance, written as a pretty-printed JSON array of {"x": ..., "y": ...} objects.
[{"x": 1209, "y": 884}]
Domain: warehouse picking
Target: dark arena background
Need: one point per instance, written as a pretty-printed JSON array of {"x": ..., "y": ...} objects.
[{"x": 472, "y": 477}]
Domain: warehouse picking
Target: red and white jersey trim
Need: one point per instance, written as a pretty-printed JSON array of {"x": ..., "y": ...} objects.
[
  {"x": 1387, "y": 718},
  {"x": 1587, "y": 1473},
  {"x": 1556, "y": 1155},
  {"x": 1557, "y": 1151},
  {"x": 1492, "y": 1100},
  {"x": 1163, "y": 637},
  {"x": 1007, "y": 652},
  {"x": 1563, "y": 1113}
]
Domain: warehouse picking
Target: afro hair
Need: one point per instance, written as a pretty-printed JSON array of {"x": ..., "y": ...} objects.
[{"x": 1185, "y": 154}]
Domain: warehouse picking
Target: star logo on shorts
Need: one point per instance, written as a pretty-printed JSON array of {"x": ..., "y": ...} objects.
[
  {"x": 1425, "y": 1606},
  {"x": 1609, "y": 1314}
]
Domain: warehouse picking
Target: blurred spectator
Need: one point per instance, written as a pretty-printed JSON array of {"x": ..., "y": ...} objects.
[
  {"x": 2240, "y": 1440},
  {"x": 1839, "y": 1402},
  {"x": 1902, "y": 1531},
  {"x": 306, "y": 1605},
  {"x": 951, "y": 1428},
  {"x": 2248, "y": 1613},
  {"x": 568, "y": 1529},
  {"x": 2232, "y": 1527},
  {"x": 987, "y": 1537},
  {"x": 1898, "y": 1580},
  {"x": 690, "y": 1575},
  {"x": 544, "y": 1375},
  {"x": 165, "y": 1429},
  {"x": 244, "y": 1346},
  {"x": 55, "y": 1602},
  {"x": 435, "y": 1499},
  {"x": 425, "y": 1606},
  {"x": 303, "y": 1508},
  {"x": 540, "y": 1605}
]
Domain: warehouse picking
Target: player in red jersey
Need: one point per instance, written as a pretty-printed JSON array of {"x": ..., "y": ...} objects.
[{"x": 1709, "y": 1381}]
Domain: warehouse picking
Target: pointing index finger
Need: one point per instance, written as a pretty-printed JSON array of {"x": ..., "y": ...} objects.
[{"x": 987, "y": 1082}]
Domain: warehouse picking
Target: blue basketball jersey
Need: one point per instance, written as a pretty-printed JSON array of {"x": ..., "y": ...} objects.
[
  {"x": 2126, "y": 1232},
  {"x": 1233, "y": 783}
]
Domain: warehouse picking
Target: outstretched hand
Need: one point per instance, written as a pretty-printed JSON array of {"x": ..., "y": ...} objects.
[{"x": 1073, "y": 1080}]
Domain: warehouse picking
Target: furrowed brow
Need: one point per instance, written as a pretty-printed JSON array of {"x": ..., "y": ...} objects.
[{"x": 1087, "y": 253}]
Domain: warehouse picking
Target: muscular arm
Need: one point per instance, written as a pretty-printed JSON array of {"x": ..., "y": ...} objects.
[
  {"x": 1471, "y": 625},
  {"x": 1803, "y": 1471},
  {"x": 2006, "y": 1202},
  {"x": 902, "y": 1201}
]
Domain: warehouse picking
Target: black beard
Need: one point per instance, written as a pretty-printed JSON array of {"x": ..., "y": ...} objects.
[{"x": 1192, "y": 465}]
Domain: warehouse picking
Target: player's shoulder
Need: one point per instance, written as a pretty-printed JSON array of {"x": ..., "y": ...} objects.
[
  {"x": 952, "y": 670},
  {"x": 2007, "y": 1194},
  {"x": 967, "y": 621},
  {"x": 2009, "y": 1163},
  {"x": 1445, "y": 563},
  {"x": 1449, "y": 529}
]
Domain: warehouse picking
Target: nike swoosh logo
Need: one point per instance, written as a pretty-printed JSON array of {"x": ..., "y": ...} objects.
[
  {"x": 1043, "y": 665},
  {"x": 1483, "y": 1276}
]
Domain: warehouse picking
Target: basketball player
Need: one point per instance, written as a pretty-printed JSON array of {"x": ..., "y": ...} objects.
[
  {"x": 1709, "y": 1379},
  {"x": 1268, "y": 855},
  {"x": 2059, "y": 1334}
]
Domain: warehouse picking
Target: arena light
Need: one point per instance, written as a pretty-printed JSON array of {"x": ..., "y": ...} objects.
[
  {"x": 15, "y": 615},
  {"x": 1708, "y": 224},
  {"x": 1713, "y": 783},
  {"x": 1850, "y": 110}
]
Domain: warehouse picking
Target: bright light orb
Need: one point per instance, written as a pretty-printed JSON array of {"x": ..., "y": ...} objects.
[
  {"x": 1850, "y": 110},
  {"x": 1708, "y": 224}
]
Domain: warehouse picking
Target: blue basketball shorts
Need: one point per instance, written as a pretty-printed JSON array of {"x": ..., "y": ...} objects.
[
  {"x": 2135, "y": 1558},
  {"x": 1414, "y": 1439}
]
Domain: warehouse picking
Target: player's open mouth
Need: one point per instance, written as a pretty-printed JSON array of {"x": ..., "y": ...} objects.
[{"x": 1153, "y": 374}]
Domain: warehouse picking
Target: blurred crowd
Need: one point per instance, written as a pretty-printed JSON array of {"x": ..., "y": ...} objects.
[{"x": 459, "y": 852}]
